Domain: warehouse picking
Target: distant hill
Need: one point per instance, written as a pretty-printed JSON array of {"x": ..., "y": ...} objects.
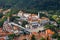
[{"x": 31, "y": 4}]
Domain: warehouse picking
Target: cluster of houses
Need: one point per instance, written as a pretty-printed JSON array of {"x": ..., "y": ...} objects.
[{"x": 34, "y": 23}]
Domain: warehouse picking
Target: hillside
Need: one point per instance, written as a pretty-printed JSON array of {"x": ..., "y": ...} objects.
[{"x": 31, "y": 4}]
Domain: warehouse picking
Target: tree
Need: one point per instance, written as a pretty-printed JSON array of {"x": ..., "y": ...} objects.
[
  {"x": 2, "y": 21},
  {"x": 54, "y": 17},
  {"x": 42, "y": 38},
  {"x": 12, "y": 18},
  {"x": 8, "y": 15},
  {"x": 49, "y": 26},
  {"x": 43, "y": 15},
  {"x": 1, "y": 15},
  {"x": 58, "y": 38},
  {"x": 32, "y": 4},
  {"x": 58, "y": 22},
  {"x": 33, "y": 37},
  {"x": 54, "y": 35},
  {"x": 52, "y": 27},
  {"x": 14, "y": 11},
  {"x": 24, "y": 23},
  {"x": 11, "y": 36}
]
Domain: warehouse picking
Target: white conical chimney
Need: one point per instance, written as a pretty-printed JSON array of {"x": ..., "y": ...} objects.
[{"x": 38, "y": 14}]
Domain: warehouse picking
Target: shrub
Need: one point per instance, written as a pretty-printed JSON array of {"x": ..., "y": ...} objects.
[
  {"x": 33, "y": 37},
  {"x": 11, "y": 36},
  {"x": 54, "y": 36},
  {"x": 58, "y": 38},
  {"x": 42, "y": 38}
]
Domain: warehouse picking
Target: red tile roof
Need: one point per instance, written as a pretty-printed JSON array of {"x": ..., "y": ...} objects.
[
  {"x": 2, "y": 33},
  {"x": 2, "y": 39}
]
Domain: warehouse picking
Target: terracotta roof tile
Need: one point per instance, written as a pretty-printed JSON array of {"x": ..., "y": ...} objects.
[{"x": 2, "y": 39}]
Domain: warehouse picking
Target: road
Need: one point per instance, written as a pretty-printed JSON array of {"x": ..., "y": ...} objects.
[
  {"x": 30, "y": 30},
  {"x": 36, "y": 29}
]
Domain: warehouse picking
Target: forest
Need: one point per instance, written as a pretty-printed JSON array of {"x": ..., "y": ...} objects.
[{"x": 31, "y": 4}]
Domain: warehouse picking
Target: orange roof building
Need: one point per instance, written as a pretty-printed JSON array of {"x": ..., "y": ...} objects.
[
  {"x": 33, "y": 17},
  {"x": 2, "y": 39},
  {"x": 48, "y": 31}
]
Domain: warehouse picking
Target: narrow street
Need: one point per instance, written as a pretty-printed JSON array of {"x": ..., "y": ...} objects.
[{"x": 36, "y": 30}]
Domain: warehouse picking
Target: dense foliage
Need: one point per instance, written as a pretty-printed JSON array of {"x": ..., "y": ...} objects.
[
  {"x": 30, "y": 4},
  {"x": 42, "y": 38},
  {"x": 1, "y": 15},
  {"x": 11, "y": 36},
  {"x": 33, "y": 37},
  {"x": 24, "y": 23},
  {"x": 2, "y": 21}
]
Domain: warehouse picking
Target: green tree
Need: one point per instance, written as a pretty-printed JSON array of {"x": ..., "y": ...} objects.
[
  {"x": 58, "y": 37},
  {"x": 33, "y": 37},
  {"x": 54, "y": 35},
  {"x": 24, "y": 23},
  {"x": 14, "y": 11},
  {"x": 14, "y": 18},
  {"x": 8, "y": 15},
  {"x": 52, "y": 27},
  {"x": 11, "y": 36},
  {"x": 49, "y": 26},
  {"x": 1, "y": 15},
  {"x": 54, "y": 17},
  {"x": 2, "y": 21},
  {"x": 42, "y": 38},
  {"x": 58, "y": 22}
]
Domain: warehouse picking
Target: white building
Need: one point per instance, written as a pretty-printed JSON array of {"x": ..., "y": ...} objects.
[{"x": 20, "y": 13}]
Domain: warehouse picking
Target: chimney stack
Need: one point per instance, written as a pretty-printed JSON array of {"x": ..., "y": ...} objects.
[{"x": 38, "y": 14}]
